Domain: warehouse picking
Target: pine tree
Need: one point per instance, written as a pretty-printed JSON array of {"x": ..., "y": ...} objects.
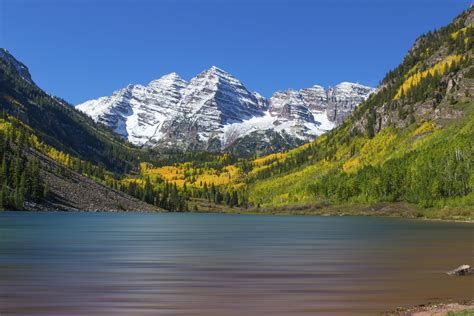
[
  {"x": 4, "y": 170},
  {"x": 213, "y": 192},
  {"x": 20, "y": 192},
  {"x": 45, "y": 191},
  {"x": 234, "y": 200},
  {"x": 148, "y": 192},
  {"x": 3, "y": 197},
  {"x": 14, "y": 178}
]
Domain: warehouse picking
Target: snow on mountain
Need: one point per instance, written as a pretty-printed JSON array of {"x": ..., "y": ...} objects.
[
  {"x": 136, "y": 112},
  {"x": 343, "y": 99},
  {"x": 214, "y": 109},
  {"x": 212, "y": 100}
]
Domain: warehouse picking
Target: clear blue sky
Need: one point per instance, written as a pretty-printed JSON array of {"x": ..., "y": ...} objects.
[{"x": 83, "y": 49}]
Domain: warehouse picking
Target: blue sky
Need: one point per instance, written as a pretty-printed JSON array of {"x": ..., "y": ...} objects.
[{"x": 83, "y": 49}]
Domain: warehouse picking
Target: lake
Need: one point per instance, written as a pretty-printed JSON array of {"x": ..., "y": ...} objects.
[{"x": 218, "y": 264}]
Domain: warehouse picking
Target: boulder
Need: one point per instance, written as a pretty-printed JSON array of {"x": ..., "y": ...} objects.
[{"x": 462, "y": 270}]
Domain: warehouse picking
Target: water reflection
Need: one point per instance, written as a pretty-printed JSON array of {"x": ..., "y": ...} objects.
[{"x": 197, "y": 264}]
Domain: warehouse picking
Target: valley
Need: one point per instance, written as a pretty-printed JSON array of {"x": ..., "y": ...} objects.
[
  {"x": 324, "y": 166},
  {"x": 404, "y": 149}
]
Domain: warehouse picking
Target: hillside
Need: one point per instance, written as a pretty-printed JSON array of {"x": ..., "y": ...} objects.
[
  {"x": 55, "y": 157},
  {"x": 56, "y": 122},
  {"x": 72, "y": 191},
  {"x": 412, "y": 141},
  {"x": 409, "y": 146},
  {"x": 36, "y": 176}
]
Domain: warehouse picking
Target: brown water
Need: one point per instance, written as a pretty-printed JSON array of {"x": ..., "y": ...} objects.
[{"x": 203, "y": 264}]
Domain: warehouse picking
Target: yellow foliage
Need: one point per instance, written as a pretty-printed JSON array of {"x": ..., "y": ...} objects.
[
  {"x": 274, "y": 191},
  {"x": 180, "y": 174},
  {"x": 127, "y": 181},
  {"x": 57, "y": 155},
  {"x": 413, "y": 69},
  {"x": 415, "y": 79},
  {"x": 5, "y": 126},
  {"x": 167, "y": 173},
  {"x": 223, "y": 157},
  {"x": 426, "y": 127},
  {"x": 351, "y": 164},
  {"x": 454, "y": 35},
  {"x": 266, "y": 162},
  {"x": 268, "y": 159},
  {"x": 11, "y": 126},
  {"x": 373, "y": 151},
  {"x": 144, "y": 166}
]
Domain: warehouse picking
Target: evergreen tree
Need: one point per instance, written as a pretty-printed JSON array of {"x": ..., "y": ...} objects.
[
  {"x": 3, "y": 197},
  {"x": 45, "y": 191},
  {"x": 148, "y": 195},
  {"x": 4, "y": 170},
  {"x": 234, "y": 201}
]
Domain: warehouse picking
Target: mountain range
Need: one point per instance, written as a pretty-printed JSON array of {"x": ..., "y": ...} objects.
[
  {"x": 214, "y": 111},
  {"x": 407, "y": 150}
]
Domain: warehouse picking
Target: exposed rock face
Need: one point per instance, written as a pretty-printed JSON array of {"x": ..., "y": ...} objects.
[
  {"x": 323, "y": 108},
  {"x": 343, "y": 99},
  {"x": 211, "y": 100},
  {"x": 214, "y": 110},
  {"x": 139, "y": 113}
]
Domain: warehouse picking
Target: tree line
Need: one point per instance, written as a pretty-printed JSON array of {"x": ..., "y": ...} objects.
[{"x": 20, "y": 178}]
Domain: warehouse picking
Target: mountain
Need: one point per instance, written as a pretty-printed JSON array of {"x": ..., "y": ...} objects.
[
  {"x": 57, "y": 123},
  {"x": 412, "y": 141},
  {"x": 409, "y": 145},
  {"x": 15, "y": 66},
  {"x": 407, "y": 150},
  {"x": 137, "y": 112},
  {"x": 215, "y": 111},
  {"x": 54, "y": 157}
]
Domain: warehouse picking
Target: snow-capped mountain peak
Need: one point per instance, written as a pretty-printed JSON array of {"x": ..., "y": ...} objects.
[
  {"x": 167, "y": 80},
  {"x": 214, "y": 110}
]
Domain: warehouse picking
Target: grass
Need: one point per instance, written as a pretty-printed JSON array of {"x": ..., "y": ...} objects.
[
  {"x": 404, "y": 210},
  {"x": 467, "y": 312}
]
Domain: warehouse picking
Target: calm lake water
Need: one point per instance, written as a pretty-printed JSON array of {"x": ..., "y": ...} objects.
[{"x": 215, "y": 264}]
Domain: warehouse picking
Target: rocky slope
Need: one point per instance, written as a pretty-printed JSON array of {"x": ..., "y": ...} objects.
[
  {"x": 215, "y": 111},
  {"x": 71, "y": 191}
]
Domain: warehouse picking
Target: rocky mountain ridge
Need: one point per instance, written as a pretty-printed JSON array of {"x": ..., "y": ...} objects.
[
  {"x": 18, "y": 66},
  {"x": 214, "y": 110}
]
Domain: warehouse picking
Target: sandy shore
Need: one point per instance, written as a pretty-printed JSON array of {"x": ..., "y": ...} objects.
[{"x": 437, "y": 309}]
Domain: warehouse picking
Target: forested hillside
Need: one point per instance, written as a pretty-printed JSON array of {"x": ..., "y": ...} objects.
[
  {"x": 57, "y": 123},
  {"x": 412, "y": 141},
  {"x": 36, "y": 176}
]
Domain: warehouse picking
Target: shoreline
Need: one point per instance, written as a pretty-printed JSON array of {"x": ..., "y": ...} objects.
[
  {"x": 441, "y": 308},
  {"x": 274, "y": 212},
  {"x": 389, "y": 210}
]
